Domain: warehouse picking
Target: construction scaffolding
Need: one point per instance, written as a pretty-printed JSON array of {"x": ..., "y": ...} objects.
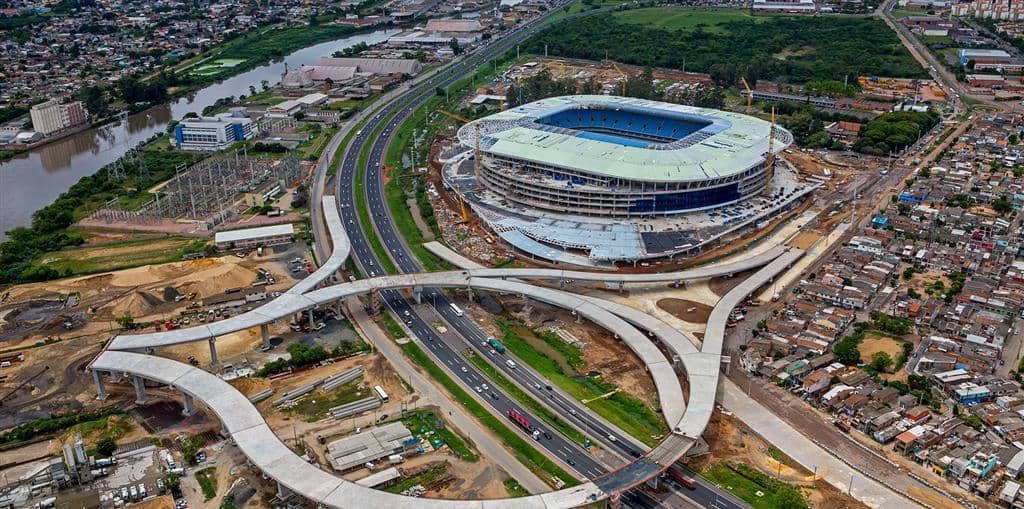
[{"x": 209, "y": 190}]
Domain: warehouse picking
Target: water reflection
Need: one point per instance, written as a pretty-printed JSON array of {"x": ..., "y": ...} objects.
[{"x": 34, "y": 179}]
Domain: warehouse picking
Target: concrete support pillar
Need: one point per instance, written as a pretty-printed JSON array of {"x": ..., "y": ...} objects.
[
  {"x": 469, "y": 292},
  {"x": 622, "y": 286},
  {"x": 337, "y": 309},
  {"x": 265, "y": 334},
  {"x": 374, "y": 297},
  {"x": 577, "y": 315},
  {"x": 213, "y": 352},
  {"x": 312, "y": 321},
  {"x": 282, "y": 492},
  {"x": 615, "y": 500},
  {"x": 417, "y": 292},
  {"x": 140, "y": 389},
  {"x": 101, "y": 392},
  {"x": 189, "y": 406}
]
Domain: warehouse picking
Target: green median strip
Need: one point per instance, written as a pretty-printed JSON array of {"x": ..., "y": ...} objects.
[
  {"x": 526, "y": 400},
  {"x": 520, "y": 447},
  {"x": 623, "y": 410}
]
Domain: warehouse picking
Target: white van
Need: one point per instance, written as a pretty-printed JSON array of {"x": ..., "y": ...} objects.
[{"x": 511, "y": 363}]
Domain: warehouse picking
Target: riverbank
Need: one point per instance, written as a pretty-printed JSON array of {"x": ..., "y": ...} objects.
[{"x": 33, "y": 179}]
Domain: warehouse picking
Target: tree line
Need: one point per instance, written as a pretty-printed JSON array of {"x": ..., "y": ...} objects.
[{"x": 829, "y": 48}]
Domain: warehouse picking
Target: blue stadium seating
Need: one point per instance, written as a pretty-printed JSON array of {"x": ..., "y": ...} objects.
[{"x": 630, "y": 128}]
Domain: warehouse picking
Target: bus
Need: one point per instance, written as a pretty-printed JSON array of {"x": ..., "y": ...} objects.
[
  {"x": 381, "y": 394},
  {"x": 456, "y": 309}
]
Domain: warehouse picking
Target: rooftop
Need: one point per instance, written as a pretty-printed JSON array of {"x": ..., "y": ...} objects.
[
  {"x": 628, "y": 138},
  {"x": 254, "y": 233}
]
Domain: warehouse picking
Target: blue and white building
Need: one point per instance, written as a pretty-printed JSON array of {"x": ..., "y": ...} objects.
[{"x": 214, "y": 133}]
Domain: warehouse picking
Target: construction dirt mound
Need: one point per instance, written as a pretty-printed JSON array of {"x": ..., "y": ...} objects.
[
  {"x": 686, "y": 310},
  {"x": 137, "y": 303},
  {"x": 206, "y": 276},
  {"x": 249, "y": 386}
]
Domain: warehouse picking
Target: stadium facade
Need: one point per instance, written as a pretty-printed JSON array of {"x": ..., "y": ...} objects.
[
  {"x": 622, "y": 157},
  {"x": 594, "y": 179}
]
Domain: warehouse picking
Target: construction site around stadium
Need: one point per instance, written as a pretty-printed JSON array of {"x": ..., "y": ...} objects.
[{"x": 597, "y": 180}]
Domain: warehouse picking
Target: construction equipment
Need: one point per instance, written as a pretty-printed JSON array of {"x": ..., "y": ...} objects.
[
  {"x": 476, "y": 166},
  {"x": 750, "y": 94},
  {"x": 769, "y": 160},
  {"x": 623, "y": 74}
]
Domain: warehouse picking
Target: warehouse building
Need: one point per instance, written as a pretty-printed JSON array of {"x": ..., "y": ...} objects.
[
  {"x": 369, "y": 446},
  {"x": 250, "y": 238}
]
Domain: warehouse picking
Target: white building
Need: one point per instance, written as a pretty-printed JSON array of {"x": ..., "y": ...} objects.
[
  {"x": 253, "y": 237},
  {"x": 50, "y": 116},
  {"x": 214, "y": 133}
]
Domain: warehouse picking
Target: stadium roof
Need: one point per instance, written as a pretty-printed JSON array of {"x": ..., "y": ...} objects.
[{"x": 727, "y": 143}]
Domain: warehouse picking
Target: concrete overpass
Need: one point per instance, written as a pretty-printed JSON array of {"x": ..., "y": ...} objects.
[{"x": 258, "y": 442}]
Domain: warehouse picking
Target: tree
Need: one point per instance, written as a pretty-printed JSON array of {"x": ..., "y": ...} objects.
[
  {"x": 880, "y": 361},
  {"x": 1002, "y": 205},
  {"x": 106, "y": 446},
  {"x": 846, "y": 350},
  {"x": 723, "y": 74},
  {"x": 94, "y": 99},
  {"x": 126, "y": 321},
  {"x": 788, "y": 497},
  {"x": 641, "y": 85},
  {"x": 454, "y": 45}
]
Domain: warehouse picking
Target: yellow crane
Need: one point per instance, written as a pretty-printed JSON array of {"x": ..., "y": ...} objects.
[
  {"x": 476, "y": 166},
  {"x": 750, "y": 93},
  {"x": 769, "y": 159},
  {"x": 622, "y": 74}
]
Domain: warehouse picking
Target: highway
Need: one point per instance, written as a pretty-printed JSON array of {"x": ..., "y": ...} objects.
[
  {"x": 571, "y": 455},
  {"x": 389, "y": 118}
]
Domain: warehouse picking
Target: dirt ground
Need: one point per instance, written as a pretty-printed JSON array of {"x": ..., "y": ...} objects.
[
  {"x": 161, "y": 502},
  {"x": 686, "y": 310},
  {"x": 804, "y": 240},
  {"x": 920, "y": 281},
  {"x": 873, "y": 344},
  {"x": 731, "y": 440},
  {"x": 33, "y": 311}
]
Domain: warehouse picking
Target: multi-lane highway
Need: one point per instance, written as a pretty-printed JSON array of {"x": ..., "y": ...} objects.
[{"x": 386, "y": 121}]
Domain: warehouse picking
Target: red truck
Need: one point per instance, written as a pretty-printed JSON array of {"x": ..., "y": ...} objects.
[
  {"x": 521, "y": 421},
  {"x": 682, "y": 478}
]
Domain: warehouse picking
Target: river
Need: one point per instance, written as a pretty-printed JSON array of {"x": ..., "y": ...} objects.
[{"x": 35, "y": 178}]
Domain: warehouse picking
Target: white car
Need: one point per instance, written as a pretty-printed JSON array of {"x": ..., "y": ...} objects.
[{"x": 464, "y": 370}]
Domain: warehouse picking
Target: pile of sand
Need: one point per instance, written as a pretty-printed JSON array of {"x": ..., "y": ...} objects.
[
  {"x": 249, "y": 385},
  {"x": 137, "y": 303},
  {"x": 215, "y": 278}
]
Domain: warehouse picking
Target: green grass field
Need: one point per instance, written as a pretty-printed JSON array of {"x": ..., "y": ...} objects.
[
  {"x": 682, "y": 18},
  {"x": 146, "y": 250},
  {"x": 751, "y": 486}
]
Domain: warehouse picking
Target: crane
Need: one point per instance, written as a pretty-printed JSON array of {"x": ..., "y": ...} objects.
[
  {"x": 769, "y": 160},
  {"x": 750, "y": 93},
  {"x": 621, "y": 73},
  {"x": 476, "y": 165}
]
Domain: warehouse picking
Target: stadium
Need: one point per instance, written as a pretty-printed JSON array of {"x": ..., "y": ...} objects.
[{"x": 590, "y": 175}]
